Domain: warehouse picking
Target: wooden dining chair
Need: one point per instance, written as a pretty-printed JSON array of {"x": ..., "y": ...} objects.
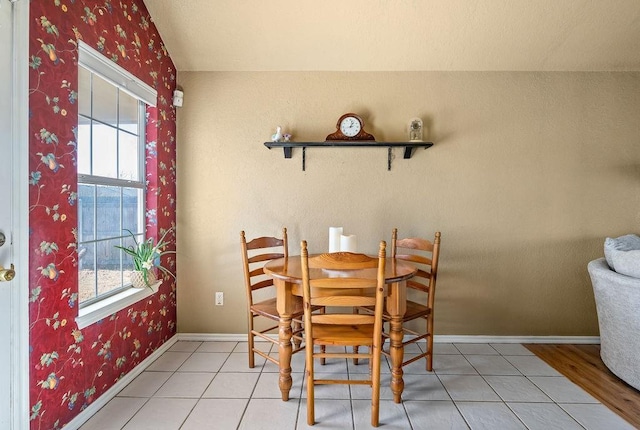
[
  {"x": 339, "y": 325},
  {"x": 261, "y": 294},
  {"x": 424, "y": 254}
]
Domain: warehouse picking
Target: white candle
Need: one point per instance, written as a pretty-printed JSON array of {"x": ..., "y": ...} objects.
[
  {"x": 334, "y": 238},
  {"x": 348, "y": 243}
]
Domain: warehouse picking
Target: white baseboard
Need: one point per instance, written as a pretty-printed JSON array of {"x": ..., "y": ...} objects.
[
  {"x": 94, "y": 407},
  {"x": 202, "y": 337},
  {"x": 516, "y": 339},
  {"x": 210, "y": 337}
]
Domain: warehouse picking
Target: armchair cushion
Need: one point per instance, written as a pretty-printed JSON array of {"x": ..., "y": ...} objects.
[
  {"x": 615, "y": 249},
  {"x": 627, "y": 262}
]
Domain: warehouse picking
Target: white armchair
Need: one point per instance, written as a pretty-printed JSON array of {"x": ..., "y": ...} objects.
[{"x": 618, "y": 305}]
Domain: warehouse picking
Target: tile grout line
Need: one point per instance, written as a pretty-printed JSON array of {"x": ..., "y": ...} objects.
[
  {"x": 535, "y": 385},
  {"x": 352, "y": 372},
  {"x": 546, "y": 394},
  {"x": 162, "y": 385},
  {"x": 176, "y": 371},
  {"x": 504, "y": 402}
]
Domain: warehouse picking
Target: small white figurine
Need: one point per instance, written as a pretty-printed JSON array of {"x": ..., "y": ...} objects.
[
  {"x": 277, "y": 137},
  {"x": 286, "y": 137}
]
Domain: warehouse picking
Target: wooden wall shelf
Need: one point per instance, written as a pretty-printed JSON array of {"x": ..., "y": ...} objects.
[{"x": 287, "y": 147}]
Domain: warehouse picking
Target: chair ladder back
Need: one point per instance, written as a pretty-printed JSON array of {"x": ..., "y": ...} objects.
[
  {"x": 343, "y": 319},
  {"x": 424, "y": 255},
  {"x": 415, "y": 285},
  {"x": 255, "y": 272},
  {"x": 338, "y": 297},
  {"x": 434, "y": 270},
  {"x": 421, "y": 247},
  {"x": 339, "y": 325},
  {"x": 414, "y": 258},
  {"x": 257, "y": 258},
  {"x": 422, "y": 279},
  {"x": 246, "y": 270},
  {"x": 263, "y": 306},
  {"x": 260, "y": 250},
  {"x": 265, "y": 283},
  {"x": 269, "y": 242}
]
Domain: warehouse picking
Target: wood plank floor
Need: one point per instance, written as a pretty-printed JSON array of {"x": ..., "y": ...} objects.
[{"x": 583, "y": 366}]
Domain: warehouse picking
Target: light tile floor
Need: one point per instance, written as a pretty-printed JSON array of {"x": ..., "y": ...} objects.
[{"x": 208, "y": 385}]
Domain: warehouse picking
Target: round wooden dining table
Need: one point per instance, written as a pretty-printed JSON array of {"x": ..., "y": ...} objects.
[{"x": 287, "y": 276}]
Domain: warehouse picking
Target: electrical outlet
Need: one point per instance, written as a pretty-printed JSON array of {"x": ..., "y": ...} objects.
[{"x": 219, "y": 298}]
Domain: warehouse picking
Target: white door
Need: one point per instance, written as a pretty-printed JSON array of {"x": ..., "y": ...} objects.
[
  {"x": 13, "y": 165},
  {"x": 5, "y": 210}
]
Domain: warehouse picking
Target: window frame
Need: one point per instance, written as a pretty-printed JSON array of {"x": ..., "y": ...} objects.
[{"x": 94, "y": 309}]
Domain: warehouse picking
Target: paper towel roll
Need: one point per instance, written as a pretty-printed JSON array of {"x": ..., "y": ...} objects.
[
  {"x": 348, "y": 243},
  {"x": 334, "y": 238}
]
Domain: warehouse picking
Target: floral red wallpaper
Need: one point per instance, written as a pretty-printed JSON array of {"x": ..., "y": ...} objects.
[{"x": 69, "y": 367}]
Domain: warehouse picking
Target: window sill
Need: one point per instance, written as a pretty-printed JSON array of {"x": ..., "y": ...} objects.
[{"x": 93, "y": 313}]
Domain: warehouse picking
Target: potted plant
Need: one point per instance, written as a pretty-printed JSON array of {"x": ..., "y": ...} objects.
[{"x": 146, "y": 257}]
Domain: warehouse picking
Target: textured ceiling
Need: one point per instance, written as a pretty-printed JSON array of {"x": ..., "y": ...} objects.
[{"x": 400, "y": 35}]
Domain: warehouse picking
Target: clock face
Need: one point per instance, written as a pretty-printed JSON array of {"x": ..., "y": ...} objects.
[{"x": 350, "y": 126}]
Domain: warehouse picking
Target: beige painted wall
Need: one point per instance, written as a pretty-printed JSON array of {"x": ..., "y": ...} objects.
[{"x": 529, "y": 173}]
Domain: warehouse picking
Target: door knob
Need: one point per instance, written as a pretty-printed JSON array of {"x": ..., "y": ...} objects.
[{"x": 7, "y": 274}]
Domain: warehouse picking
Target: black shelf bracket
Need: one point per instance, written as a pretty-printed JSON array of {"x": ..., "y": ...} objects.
[{"x": 409, "y": 147}]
